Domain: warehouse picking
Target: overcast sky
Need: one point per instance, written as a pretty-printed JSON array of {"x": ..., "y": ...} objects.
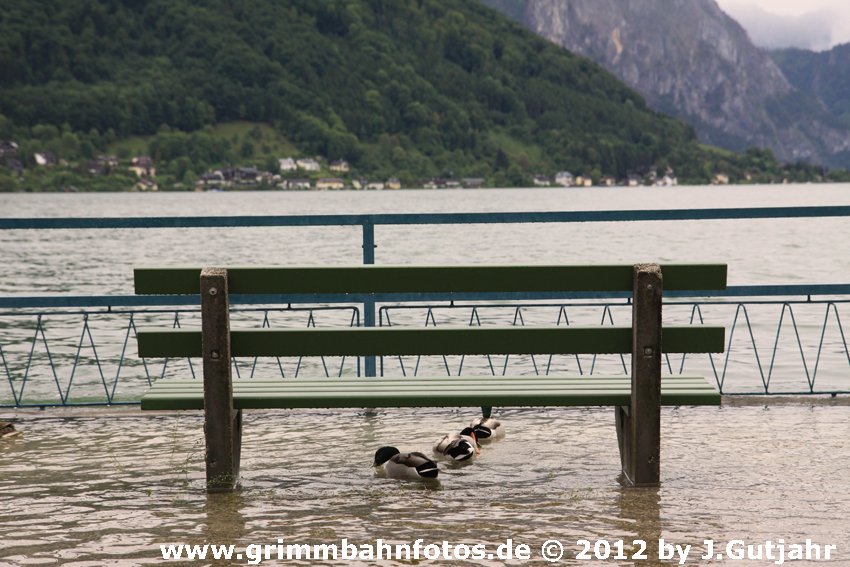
[{"x": 811, "y": 24}]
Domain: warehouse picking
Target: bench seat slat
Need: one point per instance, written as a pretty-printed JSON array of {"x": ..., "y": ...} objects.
[
  {"x": 457, "y": 385},
  {"x": 336, "y": 381},
  {"x": 409, "y": 383},
  {"x": 510, "y": 399},
  {"x": 414, "y": 279},
  {"x": 360, "y": 392},
  {"x": 429, "y": 387},
  {"x": 388, "y": 341}
]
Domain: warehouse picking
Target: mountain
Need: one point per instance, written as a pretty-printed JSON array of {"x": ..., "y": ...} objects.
[
  {"x": 825, "y": 74},
  {"x": 690, "y": 59},
  {"x": 411, "y": 88},
  {"x": 403, "y": 88}
]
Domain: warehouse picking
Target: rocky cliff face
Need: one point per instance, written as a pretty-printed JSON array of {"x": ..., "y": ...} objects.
[
  {"x": 689, "y": 59},
  {"x": 825, "y": 74}
]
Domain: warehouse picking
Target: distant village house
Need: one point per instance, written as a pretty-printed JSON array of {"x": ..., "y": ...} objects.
[
  {"x": 299, "y": 184},
  {"x": 564, "y": 179},
  {"x": 584, "y": 181},
  {"x": 146, "y": 184},
  {"x": 101, "y": 165},
  {"x": 308, "y": 164},
  {"x": 339, "y": 166},
  {"x": 330, "y": 183},
  {"x": 8, "y": 148},
  {"x": 143, "y": 166},
  {"x": 541, "y": 181},
  {"x": 287, "y": 164},
  {"x": 45, "y": 158},
  {"x": 667, "y": 181}
]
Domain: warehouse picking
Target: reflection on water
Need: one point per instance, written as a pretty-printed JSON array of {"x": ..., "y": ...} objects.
[{"x": 89, "y": 488}]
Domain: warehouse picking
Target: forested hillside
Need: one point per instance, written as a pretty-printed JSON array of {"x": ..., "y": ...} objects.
[{"x": 412, "y": 88}]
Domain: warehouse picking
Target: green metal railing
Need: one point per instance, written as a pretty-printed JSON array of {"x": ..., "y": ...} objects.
[{"x": 65, "y": 350}]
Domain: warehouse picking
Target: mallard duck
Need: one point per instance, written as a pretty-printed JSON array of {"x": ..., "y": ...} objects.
[
  {"x": 487, "y": 429},
  {"x": 405, "y": 466},
  {"x": 7, "y": 429},
  {"x": 458, "y": 446}
]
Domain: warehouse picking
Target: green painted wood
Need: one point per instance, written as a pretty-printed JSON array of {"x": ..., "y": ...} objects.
[
  {"x": 458, "y": 384},
  {"x": 414, "y": 279},
  {"x": 336, "y": 381},
  {"x": 387, "y": 341},
  {"x": 448, "y": 390},
  {"x": 360, "y": 392},
  {"x": 442, "y": 382}
]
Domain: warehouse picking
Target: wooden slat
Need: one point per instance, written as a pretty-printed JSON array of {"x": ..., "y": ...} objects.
[
  {"x": 422, "y": 279},
  {"x": 387, "y": 341},
  {"x": 430, "y": 392},
  {"x": 519, "y": 387},
  {"x": 446, "y": 383}
]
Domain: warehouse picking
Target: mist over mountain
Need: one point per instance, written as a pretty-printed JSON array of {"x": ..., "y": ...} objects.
[
  {"x": 692, "y": 60},
  {"x": 777, "y": 31}
]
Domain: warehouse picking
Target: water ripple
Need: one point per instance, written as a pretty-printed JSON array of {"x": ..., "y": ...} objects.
[{"x": 86, "y": 490}]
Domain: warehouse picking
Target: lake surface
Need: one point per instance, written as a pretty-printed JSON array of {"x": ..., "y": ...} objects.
[
  {"x": 109, "y": 486},
  {"x": 98, "y": 261}
]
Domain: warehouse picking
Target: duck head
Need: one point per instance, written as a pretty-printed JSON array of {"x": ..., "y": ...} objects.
[
  {"x": 461, "y": 450},
  {"x": 470, "y": 432},
  {"x": 384, "y": 454},
  {"x": 482, "y": 431}
]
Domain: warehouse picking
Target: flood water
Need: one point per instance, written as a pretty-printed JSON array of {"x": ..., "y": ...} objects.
[{"x": 108, "y": 486}]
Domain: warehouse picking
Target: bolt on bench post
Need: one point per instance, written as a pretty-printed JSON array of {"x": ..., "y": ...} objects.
[
  {"x": 222, "y": 424},
  {"x": 639, "y": 425}
]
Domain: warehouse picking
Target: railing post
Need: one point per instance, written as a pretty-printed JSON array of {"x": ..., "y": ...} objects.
[
  {"x": 639, "y": 426},
  {"x": 222, "y": 424},
  {"x": 369, "y": 303}
]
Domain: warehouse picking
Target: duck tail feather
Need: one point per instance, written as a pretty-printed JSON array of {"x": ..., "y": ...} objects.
[{"x": 428, "y": 470}]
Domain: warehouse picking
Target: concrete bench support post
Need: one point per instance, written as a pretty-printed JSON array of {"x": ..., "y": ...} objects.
[
  {"x": 222, "y": 424},
  {"x": 639, "y": 426}
]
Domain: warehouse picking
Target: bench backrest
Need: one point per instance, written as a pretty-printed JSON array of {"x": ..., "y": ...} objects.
[
  {"x": 389, "y": 341},
  {"x": 429, "y": 279}
]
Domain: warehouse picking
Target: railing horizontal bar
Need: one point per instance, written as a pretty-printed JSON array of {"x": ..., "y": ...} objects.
[
  {"x": 70, "y": 301},
  {"x": 35, "y": 302},
  {"x": 780, "y": 393},
  {"x": 424, "y": 218},
  {"x": 69, "y": 404}
]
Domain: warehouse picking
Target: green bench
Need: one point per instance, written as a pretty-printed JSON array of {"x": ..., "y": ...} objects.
[{"x": 637, "y": 399}]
